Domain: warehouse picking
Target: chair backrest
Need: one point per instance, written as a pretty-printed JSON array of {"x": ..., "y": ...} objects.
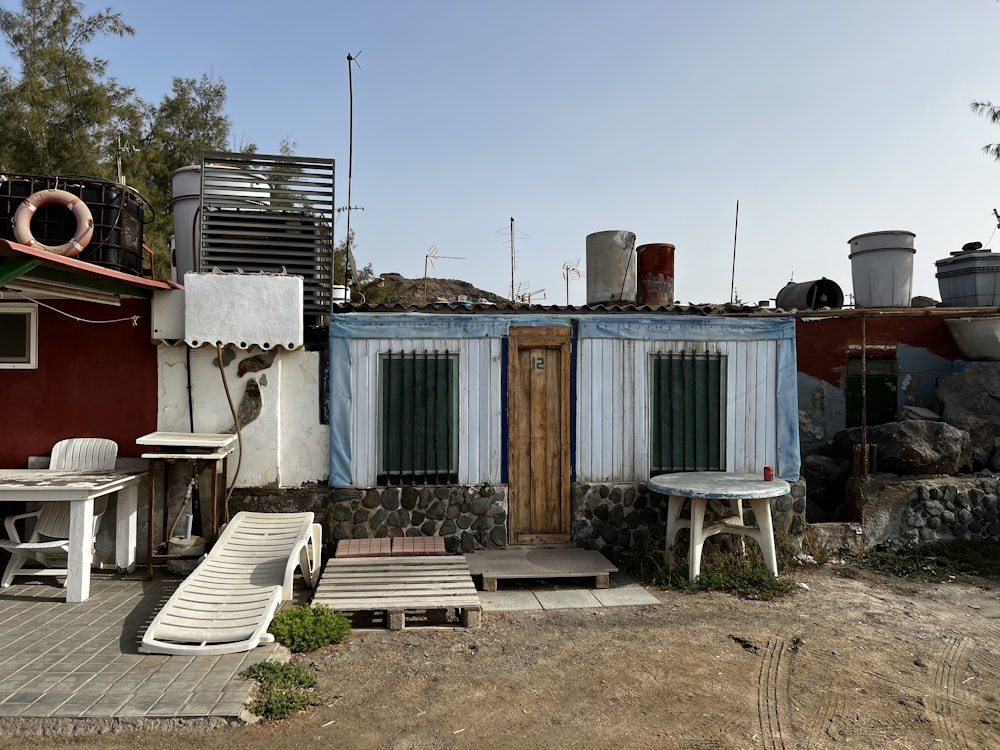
[
  {"x": 75, "y": 454},
  {"x": 84, "y": 454}
]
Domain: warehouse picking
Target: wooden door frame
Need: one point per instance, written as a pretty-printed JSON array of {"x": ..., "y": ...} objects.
[{"x": 553, "y": 337}]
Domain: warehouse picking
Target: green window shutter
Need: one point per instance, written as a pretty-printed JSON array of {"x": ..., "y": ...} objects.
[
  {"x": 418, "y": 418},
  {"x": 688, "y": 412}
]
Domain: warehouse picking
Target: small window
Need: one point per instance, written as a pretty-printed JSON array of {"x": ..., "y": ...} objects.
[
  {"x": 879, "y": 402},
  {"x": 688, "y": 413},
  {"x": 418, "y": 418},
  {"x": 18, "y": 337}
]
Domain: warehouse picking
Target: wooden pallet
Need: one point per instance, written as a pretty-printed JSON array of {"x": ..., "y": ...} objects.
[
  {"x": 540, "y": 563},
  {"x": 404, "y": 589}
]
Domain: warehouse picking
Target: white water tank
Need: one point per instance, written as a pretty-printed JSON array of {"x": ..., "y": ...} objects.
[
  {"x": 242, "y": 189},
  {"x": 611, "y": 267},
  {"x": 882, "y": 268}
]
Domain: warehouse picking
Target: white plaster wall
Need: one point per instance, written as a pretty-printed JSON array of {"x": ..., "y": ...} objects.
[
  {"x": 285, "y": 445},
  {"x": 305, "y": 441}
]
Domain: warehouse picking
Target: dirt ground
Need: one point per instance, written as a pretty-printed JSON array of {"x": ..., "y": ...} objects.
[{"x": 857, "y": 659}]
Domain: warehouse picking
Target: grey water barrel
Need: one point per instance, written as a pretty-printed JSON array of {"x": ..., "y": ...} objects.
[
  {"x": 611, "y": 273},
  {"x": 882, "y": 268},
  {"x": 810, "y": 295}
]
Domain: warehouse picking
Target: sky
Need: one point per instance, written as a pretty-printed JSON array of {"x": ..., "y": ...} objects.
[{"x": 823, "y": 120}]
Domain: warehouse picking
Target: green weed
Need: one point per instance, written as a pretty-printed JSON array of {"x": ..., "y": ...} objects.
[
  {"x": 282, "y": 689},
  {"x": 305, "y": 628},
  {"x": 734, "y": 570},
  {"x": 938, "y": 561}
]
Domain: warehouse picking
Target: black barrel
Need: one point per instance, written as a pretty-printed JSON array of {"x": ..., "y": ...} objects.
[{"x": 810, "y": 295}]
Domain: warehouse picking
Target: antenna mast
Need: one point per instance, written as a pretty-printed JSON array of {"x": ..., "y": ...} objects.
[
  {"x": 513, "y": 257},
  {"x": 736, "y": 229},
  {"x": 571, "y": 270},
  {"x": 349, "y": 270}
]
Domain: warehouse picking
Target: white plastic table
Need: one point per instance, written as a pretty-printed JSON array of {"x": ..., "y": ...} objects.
[
  {"x": 701, "y": 486},
  {"x": 80, "y": 489}
]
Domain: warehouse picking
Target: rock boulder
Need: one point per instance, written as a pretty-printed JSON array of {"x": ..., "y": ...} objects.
[
  {"x": 913, "y": 447},
  {"x": 970, "y": 400}
]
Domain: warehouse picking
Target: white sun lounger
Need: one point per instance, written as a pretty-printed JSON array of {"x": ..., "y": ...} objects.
[{"x": 226, "y": 604}]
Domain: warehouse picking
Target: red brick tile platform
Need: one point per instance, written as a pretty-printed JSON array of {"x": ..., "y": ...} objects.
[
  {"x": 418, "y": 545},
  {"x": 364, "y": 547},
  {"x": 397, "y": 546}
]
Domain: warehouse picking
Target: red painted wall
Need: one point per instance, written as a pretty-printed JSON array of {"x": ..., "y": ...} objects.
[
  {"x": 822, "y": 344},
  {"x": 92, "y": 381}
]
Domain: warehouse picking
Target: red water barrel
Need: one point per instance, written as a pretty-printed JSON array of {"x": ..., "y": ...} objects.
[{"x": 656, "y": 274}]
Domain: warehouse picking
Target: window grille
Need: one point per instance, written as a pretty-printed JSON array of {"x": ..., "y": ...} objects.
[
  {"x": 418, "y": 418},
  {"x": 688, "y": 413}
]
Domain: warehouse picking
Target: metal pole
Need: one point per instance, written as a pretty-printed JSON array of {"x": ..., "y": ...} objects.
[
  {"x": 736, "y": 229},
  {"x": 348, "y": 280},
  {"x": 512, "y": 261},
  {"x": 865, "y": 467}
]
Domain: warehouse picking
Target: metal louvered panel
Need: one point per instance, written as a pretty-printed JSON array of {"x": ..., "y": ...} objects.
[{"x": 270, "y": 214}]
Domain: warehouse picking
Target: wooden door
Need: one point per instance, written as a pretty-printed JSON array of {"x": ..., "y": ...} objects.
[{"x": 539, "y": 435}]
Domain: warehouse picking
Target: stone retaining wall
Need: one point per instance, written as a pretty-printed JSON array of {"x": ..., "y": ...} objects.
[
  {"x": 614, "y": 518},
  {"x": 897, "y": 511}
]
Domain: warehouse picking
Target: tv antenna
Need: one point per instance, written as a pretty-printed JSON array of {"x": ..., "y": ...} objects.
[
  {"x": 523, "y": 295},
  {"x": 433, "y": 255},
  {"x": 571, "y": 270}
]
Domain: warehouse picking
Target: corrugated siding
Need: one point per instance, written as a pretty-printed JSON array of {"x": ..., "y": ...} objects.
[
  {"x": 479, "y": 371},
  {"x": 614, "y": 402}
]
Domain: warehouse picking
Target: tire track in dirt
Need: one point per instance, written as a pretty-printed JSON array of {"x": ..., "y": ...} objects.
[
  {"x": 947, "y": 675},
  {"x": 772, "y": 695},
  {"x": 826, "y": 725}
]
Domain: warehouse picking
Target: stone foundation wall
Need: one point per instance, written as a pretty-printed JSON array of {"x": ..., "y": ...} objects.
[
  {"x": 614, "y": 519},
  {"x": 467, "y": 517},
  {"x": 897, "y": 511},
  {"x": 621, "y": 519}
]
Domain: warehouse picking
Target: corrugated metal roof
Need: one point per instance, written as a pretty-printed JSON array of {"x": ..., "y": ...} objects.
[{"x": 508, "y": 308}]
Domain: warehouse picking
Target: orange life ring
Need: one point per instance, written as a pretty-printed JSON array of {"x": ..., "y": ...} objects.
[{"x": 84, "y": 221}]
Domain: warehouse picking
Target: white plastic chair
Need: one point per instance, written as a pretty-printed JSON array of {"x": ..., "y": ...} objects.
[{"x": 48, "y": 543}]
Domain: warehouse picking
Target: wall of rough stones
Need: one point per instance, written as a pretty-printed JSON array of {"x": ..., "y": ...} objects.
[
  {"x": 467, "y": 517},
  {"x": 897, "y": 511},
  {"x": 952, "y": 512},
  {"x": 619, "y": 520},
  {"x": 614, "y": 519}
]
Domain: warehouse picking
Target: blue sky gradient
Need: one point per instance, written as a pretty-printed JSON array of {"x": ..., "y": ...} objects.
[{"x": 823, "y": 119}]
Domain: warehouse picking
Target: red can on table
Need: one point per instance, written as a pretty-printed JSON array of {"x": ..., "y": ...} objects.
[{"x": 768, "y": 473}]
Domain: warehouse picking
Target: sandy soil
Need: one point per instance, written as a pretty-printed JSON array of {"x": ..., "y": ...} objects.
[{"x": 856, "y": 659}]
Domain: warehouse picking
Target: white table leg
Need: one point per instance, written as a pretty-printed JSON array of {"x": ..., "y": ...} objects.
[
  {"x": 674, "y": 505},
  {"x": 765, "y": 537},
  {"x": 698, "y": 505},
  {"x": 125, "y": 528},
  {"x": 81, "y": 553}
]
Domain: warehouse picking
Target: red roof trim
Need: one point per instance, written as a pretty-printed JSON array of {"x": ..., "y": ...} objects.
[{"x": 13, "y": 250}]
